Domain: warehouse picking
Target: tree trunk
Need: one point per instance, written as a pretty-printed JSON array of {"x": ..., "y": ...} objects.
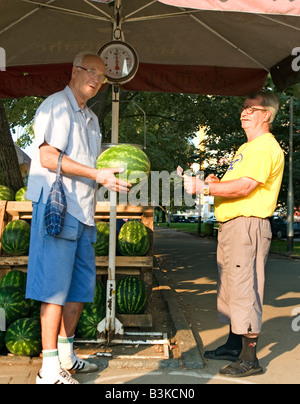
[{"x": 9, "y": 164}]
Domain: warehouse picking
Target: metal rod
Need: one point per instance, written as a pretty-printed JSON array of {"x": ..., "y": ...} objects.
[{"x": 290, "y": 202}]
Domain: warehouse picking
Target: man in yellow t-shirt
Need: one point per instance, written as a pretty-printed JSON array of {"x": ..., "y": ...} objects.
[{"x": 245, "y": 198}]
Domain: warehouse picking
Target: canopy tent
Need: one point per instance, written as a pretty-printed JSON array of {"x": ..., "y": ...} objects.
[{"x": 208, "y": 47}]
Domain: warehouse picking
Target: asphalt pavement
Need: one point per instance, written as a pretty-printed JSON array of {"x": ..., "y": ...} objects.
[{"x": 190, "y": 265}]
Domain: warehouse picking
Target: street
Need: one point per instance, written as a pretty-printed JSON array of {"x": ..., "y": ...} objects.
[{"x": 190, "y": 263}]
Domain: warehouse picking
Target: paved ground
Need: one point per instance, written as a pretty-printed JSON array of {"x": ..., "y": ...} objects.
[{"x": 188, "y": 265}]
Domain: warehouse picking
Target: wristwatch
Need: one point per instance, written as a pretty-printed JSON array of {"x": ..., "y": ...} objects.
[{"x": 206, "y": 189}]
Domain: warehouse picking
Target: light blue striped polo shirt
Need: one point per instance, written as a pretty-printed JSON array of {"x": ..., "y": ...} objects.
[{"x": 62, "y": 124}]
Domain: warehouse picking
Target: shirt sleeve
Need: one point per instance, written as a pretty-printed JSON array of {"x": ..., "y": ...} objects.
[
  {"x": 257, "y": 166},
  {"x": 53, "y": 123}
]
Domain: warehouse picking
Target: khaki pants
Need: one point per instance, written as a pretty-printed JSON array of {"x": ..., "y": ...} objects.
[{"x": 243, "y": 248}]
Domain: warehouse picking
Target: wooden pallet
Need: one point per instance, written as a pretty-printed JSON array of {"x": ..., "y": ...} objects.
[{"x": 138, "y": 266}]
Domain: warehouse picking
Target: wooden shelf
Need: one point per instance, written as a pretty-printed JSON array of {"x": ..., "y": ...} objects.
[{"x": 138, "y": 266}]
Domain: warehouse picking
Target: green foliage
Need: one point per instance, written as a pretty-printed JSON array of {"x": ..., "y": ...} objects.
[
  {"x": 20, "y": 112},
  {"x": 172, "y": 121}
]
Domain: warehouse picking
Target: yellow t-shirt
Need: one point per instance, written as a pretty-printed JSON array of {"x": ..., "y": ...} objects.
[{"x": 262, "y": 160}]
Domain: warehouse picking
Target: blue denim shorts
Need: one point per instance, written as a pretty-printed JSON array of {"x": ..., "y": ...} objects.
[{"x": 61, "y": 269}]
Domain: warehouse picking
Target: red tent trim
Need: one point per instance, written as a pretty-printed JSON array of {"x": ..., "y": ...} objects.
[{"x": 43, "y": 80}]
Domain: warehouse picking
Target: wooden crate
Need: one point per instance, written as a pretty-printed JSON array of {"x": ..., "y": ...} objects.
[{"x": 138, "y": 266}]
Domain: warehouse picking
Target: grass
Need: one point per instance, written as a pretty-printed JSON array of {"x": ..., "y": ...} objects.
[
  {"x": 185, "y": 227},
  {"x": 277, "y": 245},
  {"x": 281, "y": 246}
]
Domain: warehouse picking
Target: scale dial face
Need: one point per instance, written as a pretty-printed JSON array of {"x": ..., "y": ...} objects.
[{"x": 121, "y": 61}]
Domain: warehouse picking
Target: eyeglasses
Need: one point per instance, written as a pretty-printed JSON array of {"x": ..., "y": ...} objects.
[
  {"x": 250, "y": 110},
  {"x": 93, "y": 75}
]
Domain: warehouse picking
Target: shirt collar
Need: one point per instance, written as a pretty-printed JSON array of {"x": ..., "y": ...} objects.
[
  {"x": 74, "y": 103},
  {"x": 72, "y": 99}
]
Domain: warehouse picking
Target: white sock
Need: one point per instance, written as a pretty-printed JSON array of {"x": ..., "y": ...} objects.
[
  {"x": 66, "y": 351},
  {"x": 51, "y": 363}
]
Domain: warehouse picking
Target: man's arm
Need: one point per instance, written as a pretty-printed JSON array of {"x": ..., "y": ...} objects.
[
  {"x": 227, "y": 189},
  {"x": 233, "y": 189},
  {"x": 49, "y": 159}
]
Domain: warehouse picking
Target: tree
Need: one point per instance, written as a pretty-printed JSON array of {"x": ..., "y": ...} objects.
[
  {"x": 9, "y": 165},
  {"x": 224, "y": 135},
  {"x": 172, "y": 121}
]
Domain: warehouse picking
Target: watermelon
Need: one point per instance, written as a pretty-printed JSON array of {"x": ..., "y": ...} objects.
[
  {"x": 102, "y": 243},
  {"x": 16, "y": 238},
  {"x": 99, "y": 294},
  {"x": 13, "y": 301},
  {"x": 132, "y": 159},
  {"x": 21, "y": 195},
  {"x": 131, "y": 295},
  {"x": 133, "y": 239},
  {"x": 14, "y": 278},
  {"x": 35, "y": 309},
  {"x": 23, "y": 337},
  {"x": 6, "y": 194},
  {"x": 91, "y": 316}
]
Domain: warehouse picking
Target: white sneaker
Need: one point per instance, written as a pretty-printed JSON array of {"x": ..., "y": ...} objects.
[
  {"x": 63, "y": 377},
  {"x": 81, "y": 367}
]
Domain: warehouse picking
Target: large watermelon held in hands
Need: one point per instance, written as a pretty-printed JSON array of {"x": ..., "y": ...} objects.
[
  {"x": 16, "y": 238},
  {"x": 23, "y": 337},
  {"x": 131, "y": 295},
  {"x": 14, "y": 278},
  {"x": 6, "y": 194},
  {"x": 13, "y": 301},
  {"x": 102, "y": 243},
  {"x": 133, "y": 239},
  {"x": 132, "y": 159}
]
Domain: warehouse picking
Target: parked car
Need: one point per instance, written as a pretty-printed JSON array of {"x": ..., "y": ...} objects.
[
  {"x": 279, "y": 227},
  {"x": 179, "y": 219},
  {"x": 297, "y": 229},
  {"x": 193, "y": 219}
]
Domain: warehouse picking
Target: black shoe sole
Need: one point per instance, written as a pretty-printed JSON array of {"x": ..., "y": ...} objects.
[{"x": 233, "y": 372}]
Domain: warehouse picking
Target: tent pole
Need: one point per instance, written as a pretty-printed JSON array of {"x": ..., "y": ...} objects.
[
  {"x": 290, "y": 202},
  {"x": 111, "y": 326}
]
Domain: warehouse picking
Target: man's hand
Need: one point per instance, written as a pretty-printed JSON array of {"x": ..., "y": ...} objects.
[
  {"x": 192, "y": 185},
  {"x": 212, "y": 178},
  {"x": 107, "y": 178}
]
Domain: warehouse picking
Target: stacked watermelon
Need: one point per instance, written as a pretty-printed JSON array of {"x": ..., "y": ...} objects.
[
  {"x": 21, "y": 195},
  {"x": 133, "y": 239},
  {"x": 133, "y": 160},
  {"x": 16, "y": 238},
  {"x": 14, "y": 278},
  {"x": 102, "y": 243},
  {"x": 6, "y": 194},
  {"x": 131, "y": 295},
  {"x": 23, "y": 335},
  {"x": 92, "y": 315}
]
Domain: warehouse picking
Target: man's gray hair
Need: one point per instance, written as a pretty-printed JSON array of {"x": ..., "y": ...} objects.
[
  {"x": 270, "y": 101},
  {"x": 81, "y": 56}
]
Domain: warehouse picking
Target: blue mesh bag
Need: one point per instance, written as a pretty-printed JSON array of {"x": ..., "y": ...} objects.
[{"x": 56, "y": 206}]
